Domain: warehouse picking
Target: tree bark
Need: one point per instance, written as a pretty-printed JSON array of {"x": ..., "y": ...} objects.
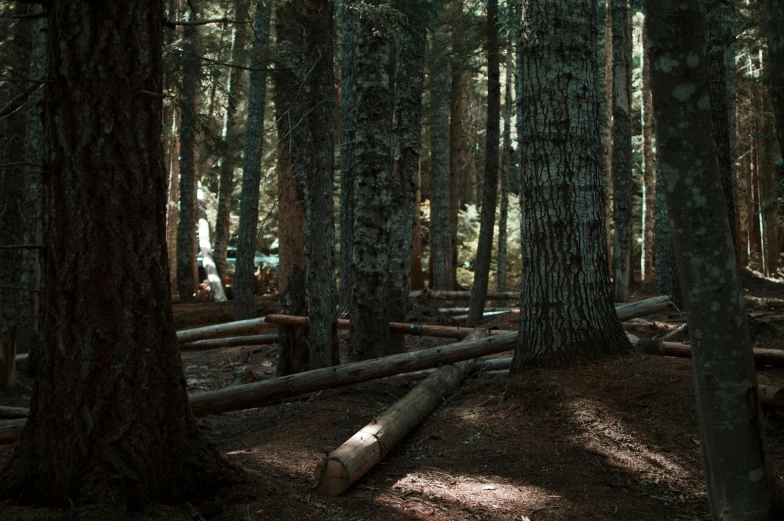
[
  {"x": 405, "y": 167},
  {"x": 110, "y": 387},
  {"x": 775, "y": 30},
  {"x": 490, "y": 185},
  {"x": 649, "y": 171},
  {"x": 294, "y": 353},
  {"x": 768, "y": 193},
  {"x": 623, "y": 182},
  {"x": 724, "y": 377},
  {"x": 370, "y": 336},
  {"x": 605, "y": 79},
  {"x": 507, "y": 170},
  {"x": 667, "y": 281},
  {"x": 441, "y": 189},
  {"x": 348, "y": 101},
  {"x": 229, "y": 148},
  {"x": 566, "y": 313},
  {"x": 186, "y": 231},
  {"x": 417, "y": 275},
  {"x": 456, "y": 148},
  {"x": 244, "y": 305}
]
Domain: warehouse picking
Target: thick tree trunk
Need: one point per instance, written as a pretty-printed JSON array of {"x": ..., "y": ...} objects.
[
  {"x": 417, "y": 275},
  {"x": 507, "y": 171},
  {"x": 740, "y": 487},
  {"x": 768, "y": 193},
  {"x": 348, "y": 123},
  {"x": 370, "y": 336},
  {"x": 244, "y": 306},
  {"x": 110, "y": 387},
  {"x": 173, "y": 204},
  {"x": 566, "y": 313},
  {"x": 456, "y": 150},
  {"x": 605, "y": 79},
  {"x": 623, "y": 183},
  {"x": 490, "y": 185},
  {"x": 667, "y": 281},
  {"x": 186, "y": 231},
  {"x": 229, "y": 148},
  {"x": 405, "y": 168},
  {"x": 441, "y": 189},
  {"x": 742, "y": 182},
  {"x": 649, "y": 171},
  {"x": 312, "y": 156},
  {"x": 775, "y": 30},
  {"x": 719, "y": 35},
  {"x": 294, "y": 354}
]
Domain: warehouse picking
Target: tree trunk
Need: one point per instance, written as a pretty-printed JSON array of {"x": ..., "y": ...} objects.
[
  {"x": 370, "y": 336},
  {"x": 229, "y": 149},
  {"x": 719, "y": 35},
  {"x": 623, "y": 182},
  {"x": 667, "y": 281},
  {"x": 739, "y": 488},
  {"x": 506, "y": 172},
  {"x": 755, "y": 138},
  {"x": 768, "y": 193},
  {"x": 417, "y": 275},
  {"x": 775, "y": 30},
  {"x": 605, "y": 79},
  {"x": 490, "y": 185},
  {"x": 649, "y": 171},
  {"x": 441, "y": 188},
  {"x": 110, "y": 387},
  {"x": 216, "y": 287},
  {"x": 244, "y": 305},
  {"x": 348, "y": 101},
  {"x": 566, "y": 314},
  {"x": 405, "y": 168},
  {"x": 742, "y": 184},
  {"x": 456, "y": 151},
  {"x": 294, "y": 353},
  {"x": 190, "y": 69}
]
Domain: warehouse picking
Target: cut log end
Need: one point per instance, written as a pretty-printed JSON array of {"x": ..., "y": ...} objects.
[{"x": 333, "y": 476}]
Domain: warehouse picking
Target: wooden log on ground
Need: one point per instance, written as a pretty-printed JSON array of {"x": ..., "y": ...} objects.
[
  {"x": 260, "y": 393},
  {"x": 772, "y": 357},
  {"x": 771, "y": 397},
  {"x": 641, "y": 308},
  {"x": 198, "y": 314},
  {"x": 253, "y": 340},
  {"x": 10, "y": 430},
  {"x": 462, "y": 311},
  {"x": 460, "y": 318},
  {"x": 352, "y": 460},
  {"x": 8, "y": 413},
  {"x": 222, "y": 330}
]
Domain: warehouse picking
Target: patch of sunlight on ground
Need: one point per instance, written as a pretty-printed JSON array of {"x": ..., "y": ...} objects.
[
  {"x": 607, "y": 434},
  {"x": 471, "y": 491}
]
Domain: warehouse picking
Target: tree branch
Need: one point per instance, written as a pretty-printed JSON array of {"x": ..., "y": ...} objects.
[
  {"x": 18, "y": 101},
  {"x": 171, "y": 24},
  {"x": 21, "y": 247},
  {"x": 31, "y": 16}
]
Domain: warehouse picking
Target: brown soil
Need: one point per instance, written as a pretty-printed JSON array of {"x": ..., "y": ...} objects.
[{"x": 616, "y": 440}]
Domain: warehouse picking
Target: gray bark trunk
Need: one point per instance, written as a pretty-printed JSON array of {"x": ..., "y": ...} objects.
[
  {"x": 405, "y": 168},
  {"x": 229, "y": 143},
  {"x": 506, "y": 172},
  {"x": 719, "y": 34},
  {"x": 244, "y": 305},
  {"x": 441, "y": 188},
  {"x": 456, "y": 150},
  {"x": 370, "y": 337},
  {"x": 649, "y": 172},
  {"x": 739, "y": 487},
  {"x": 566, "y": 311},
  {"x": 186, "y": 231},
  {"x": 490, "y": 185},
  {"x": 110, "y": 386},
  {"x": 667, "y": 282},
  {"x": 623, "y": 183}
]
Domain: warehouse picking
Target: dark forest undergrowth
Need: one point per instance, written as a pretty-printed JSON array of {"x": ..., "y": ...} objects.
[{"x": 616, "y": 440}]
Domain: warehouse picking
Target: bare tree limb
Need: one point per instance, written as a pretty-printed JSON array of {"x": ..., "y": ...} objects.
[{"x": 174, "y": 23}]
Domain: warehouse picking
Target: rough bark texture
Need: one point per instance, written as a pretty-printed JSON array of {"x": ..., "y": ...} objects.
[
  {"x": 110, "y": 386},
  {"x": 506, "y": 172},
  {"x": 605, "y": 79},
  {"x": 440, "y": 186},
  {"x": 456, "y": 148},
  {"x": 667, "y": 282},
  {"x": 720, "y": 53},
  {"x": 190, "y": 70},
  {"x": 370, "y": 336},
  {"x": 742, "y": 183},
  {"x": 739, "y": 488},
  {"x": 490, "y": 185},
  {"x": 230, "y": 142},
  {"x": 649, "y": 171},
  {"x": 348, "y": 70},
  {"x": 623, "y": 183},
  {"x": 417, "y": 274},
  {"x": 775, "y": 30},
  {"x": 768, "y": 193},
  {"x": 294, "y": 352},
  {"x": 405, "y": 168},
  {"x": 566, "y": 311},
  {"x": 244, "y": 306},
  {"x": 313, "y": 162}
]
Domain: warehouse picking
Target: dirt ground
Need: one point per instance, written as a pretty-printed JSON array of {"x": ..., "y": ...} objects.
[{"x": 616, "y": 440}]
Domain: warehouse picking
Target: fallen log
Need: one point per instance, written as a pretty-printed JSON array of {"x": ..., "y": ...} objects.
[
  {"x": 771, "y": 398},
  {"x": 221, "y": 330},
  {"x": 462, "y": 311},
  {"x": 260, "y": 393},
  {"x": 14, "y": 412},
  {"x": 352, "y": 460},
  {"x": 772, "y": 357},
  {"x": 641, "y": 308},
  {"x": 10, "y": 430},
  {"x": 253, "y": 340}
]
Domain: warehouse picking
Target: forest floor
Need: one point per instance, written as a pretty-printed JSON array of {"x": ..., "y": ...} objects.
[{"x": 615, "y": 440}]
